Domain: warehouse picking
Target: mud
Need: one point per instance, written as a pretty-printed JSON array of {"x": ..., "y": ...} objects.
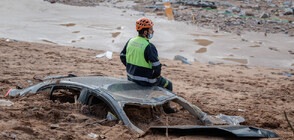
[
  {"x": 263, "y": 93},
  {"x": 155, "y": 116},
  {"x": 201, "y": 50},
  {"x": 68, "y": 24},
  {"x": 242, "y": 61},
  {"x": 114, "y": 35},
  {"x": 203, "y": 42}
]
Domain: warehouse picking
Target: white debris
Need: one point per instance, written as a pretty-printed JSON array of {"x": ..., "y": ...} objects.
[
  {"x": 92, "y": 135},
  {"x": 108, "y": 55},
  {"x": 6, "y": 103}
]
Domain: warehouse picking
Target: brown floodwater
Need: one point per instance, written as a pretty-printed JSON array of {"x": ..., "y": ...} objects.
[
  {"x": 114, "y": 35},
  {"x": 68, "y": 24},
  {"x": 201, "y": 50},
  {"x": 47, "y": 41},
  {"x": 203, "y": 42},
  {"x": 242, "y": 61}
]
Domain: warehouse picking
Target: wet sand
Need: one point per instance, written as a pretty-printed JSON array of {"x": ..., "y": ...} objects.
[{"x": 262, "y": 93}]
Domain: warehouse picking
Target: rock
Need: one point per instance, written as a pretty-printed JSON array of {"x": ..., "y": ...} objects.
[
  {"x": 272, "y": 5},
  {"x": 236, "y": 9},
  {"x": 287, "y": 3},
  {"x": 269, "y": 1},
  {"x": 257, "y": 7},
  {"x": 179, "y": 57},
  {"x": 54, "y": 126},
  {"x": 249, "y": 13},
  {"x": 183, "y": 7},
  {"x": 228, "y": 11},
  {"x": 6, "y": 103},
  {"x": 211, "y": 63},
  {"x": 277, "y": 27},
  {"x": 265, "y": 15},
  {"x": 288, "y": 11}
]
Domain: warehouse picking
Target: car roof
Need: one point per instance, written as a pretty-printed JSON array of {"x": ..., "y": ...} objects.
[{"x": 125, "y": 91}]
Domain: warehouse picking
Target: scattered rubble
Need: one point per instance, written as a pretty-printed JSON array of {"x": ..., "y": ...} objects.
[{"x": 233, "y": 16}]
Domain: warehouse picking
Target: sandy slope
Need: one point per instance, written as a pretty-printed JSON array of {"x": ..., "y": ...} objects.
[{"x": 263, "y": 93}]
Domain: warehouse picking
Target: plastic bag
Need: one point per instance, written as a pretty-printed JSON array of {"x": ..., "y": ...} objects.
[{"x": 232, "y": 120}]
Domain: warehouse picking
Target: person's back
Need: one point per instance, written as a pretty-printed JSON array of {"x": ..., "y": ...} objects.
[{"x": 141, "y": 58}]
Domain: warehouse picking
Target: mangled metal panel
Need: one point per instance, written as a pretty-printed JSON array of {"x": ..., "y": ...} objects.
[{"x": 238, "y": 131}]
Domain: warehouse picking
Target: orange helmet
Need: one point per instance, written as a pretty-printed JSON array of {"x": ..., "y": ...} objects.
[{"x": 143, "y": 23}]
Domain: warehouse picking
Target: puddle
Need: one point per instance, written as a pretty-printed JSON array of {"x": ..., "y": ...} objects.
[
  {"x": 82, "y": 38},
  {"x": 73, "y": 41},
  {"x": 292, "y": 64},
  {"x": 114, "y": 35},
  {"x": 47, "y": 41},
  {"x": 201, "y": 50},
  {"x": 242, "y": 61},
  {"x": 231, "y": 55},
  {"x": 68, "y": 25},
  {"x": 112, "y": 41},
  {"x": 235, "y": 48},
  {"x": 75, "y": 32},
  {"x": 119, "y": 28},
  {"x": 255, "y": 46},
  {"x": 203, "y": 42}
]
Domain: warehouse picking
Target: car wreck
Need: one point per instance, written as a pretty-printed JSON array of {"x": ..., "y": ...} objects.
[{"x": 138, "y": 107}]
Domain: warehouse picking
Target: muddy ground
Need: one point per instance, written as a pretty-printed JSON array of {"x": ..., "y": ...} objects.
[{"x": 258, "y": 94}]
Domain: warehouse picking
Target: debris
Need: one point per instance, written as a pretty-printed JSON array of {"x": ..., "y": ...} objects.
[
  {"x": 168, "y": 11},
  {"x": 241, "y": 110},
  {"x": 13, "y": 136},
  {"x": 288, "y": 11},
  {"x": 7, "y": 40},
  {"x": 288, "y": 121},
  {"x": 232, "y": 120},
  {"x": 15, "y": 40},
  {"x": 108, "y": 55},
  {"x": 110, "y": 117},
  {"x": 6, "y": 103},
  {"x": 182, "y": 58},
  {"x": 211, "y": 63},
  {"x": 186, "y": 62},
  {"x": 54, "y": 126},
  {"x": 286, "y": 74},
  {"x": 92, "y": 135},
  {"x": 265, "y": 15}
]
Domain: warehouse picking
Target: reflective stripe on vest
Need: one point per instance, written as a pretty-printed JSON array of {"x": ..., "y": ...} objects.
[{"x": 135, "y": 52}]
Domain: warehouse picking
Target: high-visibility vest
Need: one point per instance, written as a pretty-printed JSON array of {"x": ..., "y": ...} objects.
[{"x": 135, "y": 52}]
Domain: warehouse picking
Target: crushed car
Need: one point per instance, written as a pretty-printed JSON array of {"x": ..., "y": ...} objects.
[{"x": 141, "y": 108}]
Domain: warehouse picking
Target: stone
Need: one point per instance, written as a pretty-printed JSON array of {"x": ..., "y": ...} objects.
[
  {"x": 249, "y": 13},
  {"x": 288, "y": 11},
  {"x": 287, "y": 3},
  {"x": 265, "y": 15},
  {"x": 54, "y": 126},
  {"x": 272, "y": 5},
  {"x": 183, "y": 7},
  {"x": 236, "y": 9}
]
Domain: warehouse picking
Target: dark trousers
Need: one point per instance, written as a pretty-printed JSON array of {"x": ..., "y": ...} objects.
[{"x": 163, "y": 82}]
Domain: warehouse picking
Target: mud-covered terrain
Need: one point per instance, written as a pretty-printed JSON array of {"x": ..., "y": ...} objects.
[{"x": 260, "y": 95}]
